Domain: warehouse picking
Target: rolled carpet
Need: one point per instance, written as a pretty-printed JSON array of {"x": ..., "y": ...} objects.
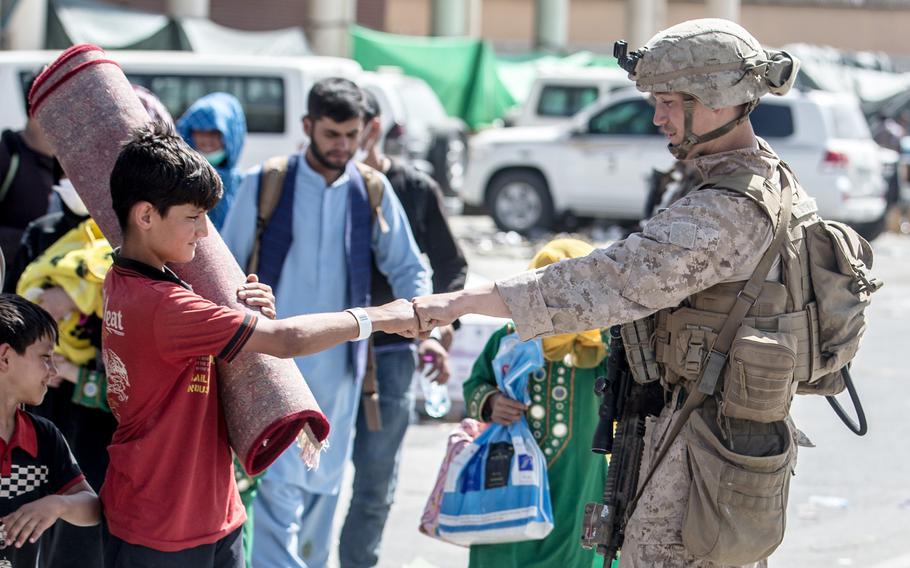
[{"x": 87, "y": 109}]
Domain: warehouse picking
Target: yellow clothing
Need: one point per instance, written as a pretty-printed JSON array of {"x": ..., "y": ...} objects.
[
  {"x": 585, "y": 350},
  {"x": 77, "y": 263}
]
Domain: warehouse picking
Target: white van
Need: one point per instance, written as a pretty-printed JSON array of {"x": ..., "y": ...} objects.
[{"x": 272, "y": 90}]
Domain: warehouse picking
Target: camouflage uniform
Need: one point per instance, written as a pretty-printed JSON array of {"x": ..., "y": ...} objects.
[{"x": 710, "y": 236}]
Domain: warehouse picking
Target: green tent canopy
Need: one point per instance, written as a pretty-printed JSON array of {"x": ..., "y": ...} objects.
[{"x": 462, "y": 71}]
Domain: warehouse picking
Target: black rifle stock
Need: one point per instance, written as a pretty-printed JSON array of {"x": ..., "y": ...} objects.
[{"x": 628, "y": 404}]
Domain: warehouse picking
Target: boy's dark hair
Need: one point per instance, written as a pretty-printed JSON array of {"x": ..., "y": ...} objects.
[
  {"x": 22, "y": 323},
  {"x": 335, "y": 98},
  {"x": 370, "y": 106},
  {"x": 157, "y": 166}
]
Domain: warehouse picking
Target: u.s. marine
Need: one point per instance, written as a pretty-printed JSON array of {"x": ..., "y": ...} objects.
[{"x": 718, "y": 497}]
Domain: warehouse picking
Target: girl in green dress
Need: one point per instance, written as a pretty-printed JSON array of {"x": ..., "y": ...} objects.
[{"x": 563, "y": 417}]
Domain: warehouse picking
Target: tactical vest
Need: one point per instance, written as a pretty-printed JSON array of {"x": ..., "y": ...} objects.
[{"x": 798, "y": 335}]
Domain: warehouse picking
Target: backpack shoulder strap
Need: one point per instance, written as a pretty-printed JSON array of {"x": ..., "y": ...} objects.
[
  {"x": 10, "y": 175},
  {"x": 372, "y": 180},
  {"x": 271, "y": 182}
]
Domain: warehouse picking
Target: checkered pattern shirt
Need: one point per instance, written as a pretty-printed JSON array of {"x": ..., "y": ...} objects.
[{"x": 34, "y": 463}]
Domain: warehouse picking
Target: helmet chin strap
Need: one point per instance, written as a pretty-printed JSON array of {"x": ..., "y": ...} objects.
[{"x": 690, "y": 140}]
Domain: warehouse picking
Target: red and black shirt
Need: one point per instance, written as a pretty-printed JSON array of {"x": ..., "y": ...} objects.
[
  {"x": 170, "y": 484},
  {"x": 34, "y": 463}
]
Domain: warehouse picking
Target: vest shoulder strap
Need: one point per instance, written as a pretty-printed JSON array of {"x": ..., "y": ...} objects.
[{"x": 755, "y": 187}]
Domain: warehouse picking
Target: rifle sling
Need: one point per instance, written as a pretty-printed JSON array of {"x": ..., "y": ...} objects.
[{"x": 717, "y": 358}]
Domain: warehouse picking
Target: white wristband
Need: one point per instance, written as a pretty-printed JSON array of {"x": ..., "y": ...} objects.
[
  {"x": 436, "y": 334},
  {"x": 364, "y": 324}
]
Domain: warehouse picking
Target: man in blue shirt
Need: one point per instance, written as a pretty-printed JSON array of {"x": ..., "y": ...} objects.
[
  {"x": 377, "y": 453},
  {"x": 317, "y": 251}
]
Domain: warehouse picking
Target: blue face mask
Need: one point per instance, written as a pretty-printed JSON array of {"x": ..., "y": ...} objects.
[{"x": 216, "y": 158}]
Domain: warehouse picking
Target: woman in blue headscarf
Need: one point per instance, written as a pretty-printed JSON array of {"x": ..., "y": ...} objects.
[{"x": 215, "y": 126}]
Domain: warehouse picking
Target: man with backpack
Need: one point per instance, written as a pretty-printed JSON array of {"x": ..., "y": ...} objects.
[
  {"x": 311, "y": 225},
  {"x": 377, "y": 447},
  {"x": 734, "y": 298}
]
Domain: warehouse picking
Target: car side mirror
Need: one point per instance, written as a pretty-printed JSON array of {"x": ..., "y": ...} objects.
[{"x": 578, "y": 130}]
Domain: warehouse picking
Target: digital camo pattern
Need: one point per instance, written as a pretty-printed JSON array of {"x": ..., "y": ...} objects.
[
  {"x": 654, "y": 533},
  {"x": 715, "y": 60},
  {"x": 708, "y": 237}
]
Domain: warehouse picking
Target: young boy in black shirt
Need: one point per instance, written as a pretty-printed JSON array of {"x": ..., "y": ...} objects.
[{"x": 40, "y": 480}]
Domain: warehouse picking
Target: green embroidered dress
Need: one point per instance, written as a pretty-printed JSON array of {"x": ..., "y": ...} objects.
[{"x": 562, "y": 417}]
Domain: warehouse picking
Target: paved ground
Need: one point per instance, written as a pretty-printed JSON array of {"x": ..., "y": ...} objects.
[{"x": 850, "y": 501}]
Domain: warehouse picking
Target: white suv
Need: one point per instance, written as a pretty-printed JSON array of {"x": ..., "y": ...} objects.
[{"x": 599, "y": 164}]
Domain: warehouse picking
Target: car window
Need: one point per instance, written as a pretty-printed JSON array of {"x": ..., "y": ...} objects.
[
  {"x": 772, "y": 120},
  {"x": 625, "y": 118},
  {"x": 560, "y": 100},
  {"x": 846, "y": 121},
  {"x": 262, "y": 98},
  {"x": 421, "y": 104}
]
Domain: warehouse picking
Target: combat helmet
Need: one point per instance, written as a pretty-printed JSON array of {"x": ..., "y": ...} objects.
[{"x": 714, "y": 61}]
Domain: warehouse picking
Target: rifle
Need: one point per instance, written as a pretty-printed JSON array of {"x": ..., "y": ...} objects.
[{"x": 628, "y": 404}]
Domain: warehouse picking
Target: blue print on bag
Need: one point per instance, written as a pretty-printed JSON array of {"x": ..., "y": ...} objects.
[
  {"x": 525, "y": 463},
  {"x": 472, "y": 480}
]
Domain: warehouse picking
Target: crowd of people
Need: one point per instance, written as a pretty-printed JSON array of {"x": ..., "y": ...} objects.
[
  {"x": 306, "y": 242},
  {"x": 357, "y": 260}
]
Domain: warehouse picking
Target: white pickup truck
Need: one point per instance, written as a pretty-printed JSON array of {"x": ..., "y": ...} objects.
[{"x": 598, "y": 163}]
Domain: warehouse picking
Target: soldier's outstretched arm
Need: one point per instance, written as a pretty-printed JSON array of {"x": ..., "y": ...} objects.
[
  {"x": 311, "y": 333},
  {"x": 442, "y": 309},
  {"x": 706, "y": 238},
  {"x": 709, "y": 237}
]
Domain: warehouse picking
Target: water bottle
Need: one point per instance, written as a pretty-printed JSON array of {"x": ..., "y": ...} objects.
[{"x": 435, "y": 396}]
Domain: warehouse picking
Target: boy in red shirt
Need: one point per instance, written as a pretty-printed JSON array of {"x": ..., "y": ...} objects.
[
  {"x": 169, "y": 497},
  {"x": 40, "y": 481}
]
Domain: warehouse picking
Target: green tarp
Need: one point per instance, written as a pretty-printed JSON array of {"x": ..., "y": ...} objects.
[{"x": 462, "y": 71}]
